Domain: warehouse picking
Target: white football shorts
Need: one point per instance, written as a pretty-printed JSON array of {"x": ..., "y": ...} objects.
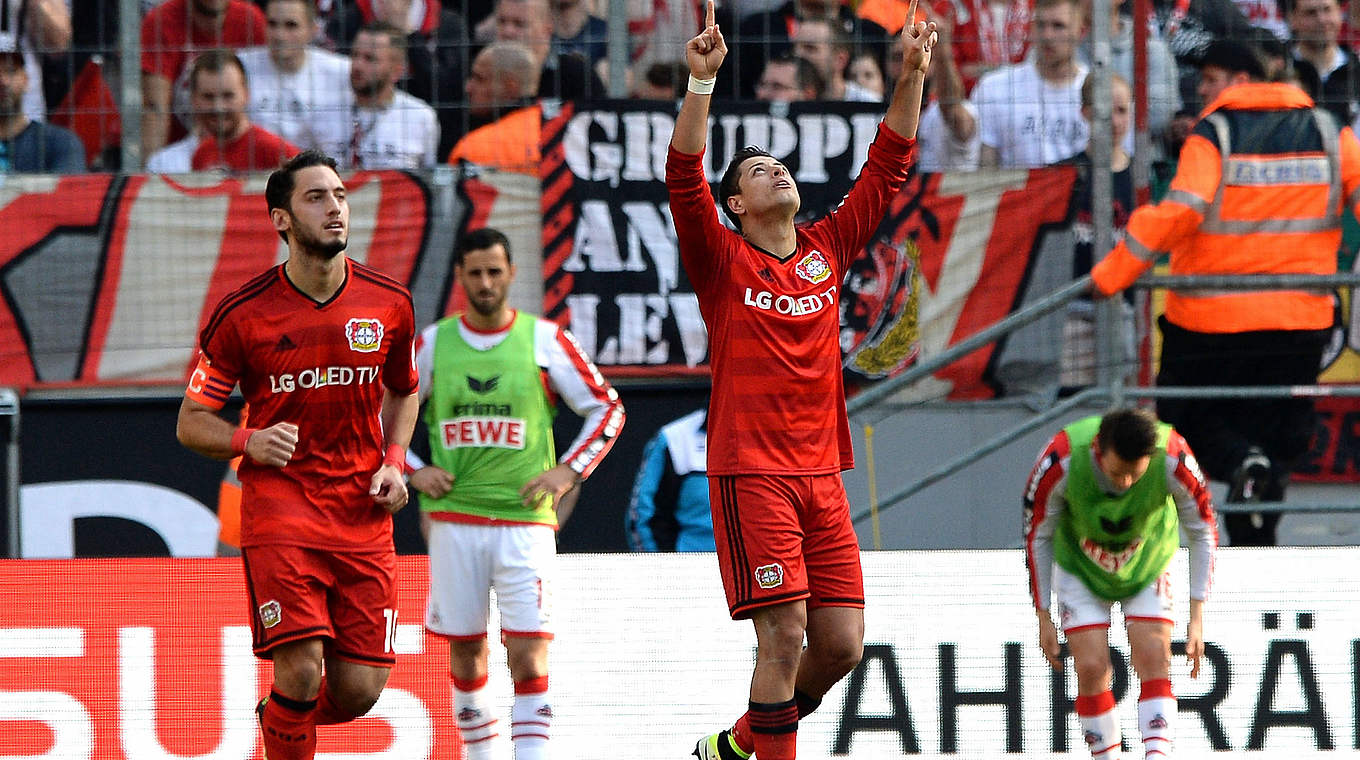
[
  {"x": 1079, "y": 608},
  {"x": 468, "y": 562}
]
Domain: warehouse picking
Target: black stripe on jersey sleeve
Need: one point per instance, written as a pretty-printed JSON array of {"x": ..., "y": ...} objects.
[
  {"x": 381, "y": 280},
  {"x": 234, "y": 299}
]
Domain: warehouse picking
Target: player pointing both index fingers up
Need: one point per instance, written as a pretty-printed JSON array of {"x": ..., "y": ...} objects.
[{"x": 778, "y": 431}]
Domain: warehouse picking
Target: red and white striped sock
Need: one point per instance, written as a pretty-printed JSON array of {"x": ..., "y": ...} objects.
[
  {"x": 531, "y": 719},
  {"x": 1099, "y": 724},
  {"x": 476, "y": 724},
  {"x": 1156, "y": 718}
]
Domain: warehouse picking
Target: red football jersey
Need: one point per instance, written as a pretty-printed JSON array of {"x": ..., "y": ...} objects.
[
  {"x": 322, "y": 367},
  {"x": 256, "y": 150},
  {"x": 778, "y": 402}
]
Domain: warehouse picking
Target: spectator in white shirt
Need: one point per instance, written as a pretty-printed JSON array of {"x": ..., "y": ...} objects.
[
  {"x": 297, "y": 91},
  {"x": 390, "y": 128},
  {"x": 1029, "y": 114}
]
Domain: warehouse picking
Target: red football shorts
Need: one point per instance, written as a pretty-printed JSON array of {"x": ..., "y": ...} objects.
[
  {"x": 348, "y": 598},
  {"x": 785, "y": 538}
]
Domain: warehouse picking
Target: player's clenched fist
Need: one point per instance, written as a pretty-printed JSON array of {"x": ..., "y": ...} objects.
[
  {"x": 273, "y": 445},
  {"x": 388, "y": 488},
  {"x": 705, "y": 51}
]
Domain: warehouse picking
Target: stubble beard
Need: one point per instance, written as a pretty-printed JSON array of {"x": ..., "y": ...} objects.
[{"x": 322, "y": 249}]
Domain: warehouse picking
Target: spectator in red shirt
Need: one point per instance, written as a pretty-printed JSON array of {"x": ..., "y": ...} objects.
[
  {"x": 229, "y": 141},
  {"x": 171, "y": 34}
]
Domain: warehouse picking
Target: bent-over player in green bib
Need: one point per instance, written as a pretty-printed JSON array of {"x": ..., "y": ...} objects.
[
  {"x": 1104, "y": 508},
  {"x": 494, "y": 490}
]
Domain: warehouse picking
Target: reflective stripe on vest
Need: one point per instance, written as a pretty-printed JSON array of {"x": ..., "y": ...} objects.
[{"x": 1311, "y": 170}]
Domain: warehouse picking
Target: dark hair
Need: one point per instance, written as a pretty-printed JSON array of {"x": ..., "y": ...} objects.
[
  {"x": 837, "y": 37},
  {"x": 1130, "y": 433},
  {"x": 1234, "y": 57},
  {"x": 731, "y": 178},
  {"x": 308, "y": 5},
  {"x": 805, "y": 73},
  {"x": 479, "y": 240},
  {"x": 278, "y": 191},
  {"x": 215, "y": 60},
  {"x": 670, "y": 74},
  {"x": 394, "y": 36}
]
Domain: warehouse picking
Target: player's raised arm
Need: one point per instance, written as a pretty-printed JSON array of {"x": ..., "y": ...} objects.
[
  {"x": 704, "y": 53},
  {"x": 904, "y": 112}
]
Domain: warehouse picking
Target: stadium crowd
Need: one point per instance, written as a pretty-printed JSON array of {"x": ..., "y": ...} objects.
[{"x": 398, "y": 83}]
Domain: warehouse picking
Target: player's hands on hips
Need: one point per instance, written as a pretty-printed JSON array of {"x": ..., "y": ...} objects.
[
  {"x": 706, "y": 51},
  {"x": 432, "y": 481},
  {"x": 1048, "y": 640},
  {"x": 1194, "y": 645},
  {"x": 556, "y": 481},
  {"x": 388, "y": 488},
  {"x": 920, "y": 38},
  {"x": 273, "y": 445}
]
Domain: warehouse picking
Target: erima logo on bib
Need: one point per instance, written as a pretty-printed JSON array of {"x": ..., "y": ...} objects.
[
  {"x": 483, "y": 386},
  {"x": 365, "y": 335}
]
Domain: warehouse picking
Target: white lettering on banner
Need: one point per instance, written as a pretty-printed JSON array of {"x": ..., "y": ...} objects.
[
  {"x": 641, "y": 318},
  {"x": 648, "y": 228},
  {"x": 319, "y": 377},
  {"x": 605, "y": 146},
  {"x": 494, "y": 432},
  {"x": 141, "y": 715},
  {"x": 821, "y": 136},
  {"x": 137, "y": 696},
  {"x": 48, "y": 513},
  {"x": 790, "y": 305},
  {"x": 949, "y": 670},
  {"x": 62, "y": 714}
]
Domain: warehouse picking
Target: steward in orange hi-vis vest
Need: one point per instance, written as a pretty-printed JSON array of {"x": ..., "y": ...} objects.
[{"x": 1260, "y": 188}]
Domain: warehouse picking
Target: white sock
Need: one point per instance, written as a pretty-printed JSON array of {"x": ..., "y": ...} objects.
[
  {"x": 1100, "y": 725},
  {"x": 531, "y": 720},
  {"x": 476, "y": 725},
  {"x": 1156, "y": 719}
]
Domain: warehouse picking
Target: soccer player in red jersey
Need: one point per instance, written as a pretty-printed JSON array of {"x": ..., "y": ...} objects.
[
  {"x": 322, "y": 349},
  {"x": 778, "y": 433}
]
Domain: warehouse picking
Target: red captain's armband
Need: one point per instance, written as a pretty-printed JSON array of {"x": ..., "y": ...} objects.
[{"x": 208, "y": 386}]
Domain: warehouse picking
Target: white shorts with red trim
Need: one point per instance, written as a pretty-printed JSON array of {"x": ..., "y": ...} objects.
[
  {"x": 468, "y": 562},
  {"x": 1079, "y": 608}
]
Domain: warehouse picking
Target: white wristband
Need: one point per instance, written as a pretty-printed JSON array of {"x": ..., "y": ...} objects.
[{"x": 701, "y": 86}]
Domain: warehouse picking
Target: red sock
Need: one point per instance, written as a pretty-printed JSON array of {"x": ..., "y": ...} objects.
[
  {"x": 741, "y": 734},
  {"x": 741, "y": 730},
  {"x": 327, "y": 712},
  {"x": 289, "y": 733},
  {"x": 774, "y": 727}
]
